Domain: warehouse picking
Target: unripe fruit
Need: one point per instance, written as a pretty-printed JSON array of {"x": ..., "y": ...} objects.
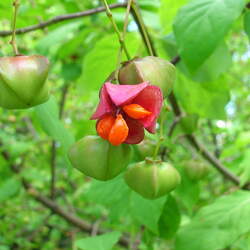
[
  {"x": 146, "y": 148},
  {"x": 152, "y": 179},
  {"x": 97, "y": 158},
  {"x": 23, "y": 81},
  {"x": 195, "y": 169},
  {"x": 157, "y": 71}
]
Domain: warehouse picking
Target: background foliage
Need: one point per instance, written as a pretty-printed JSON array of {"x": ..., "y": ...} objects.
[{"x": 212, "y": 88}]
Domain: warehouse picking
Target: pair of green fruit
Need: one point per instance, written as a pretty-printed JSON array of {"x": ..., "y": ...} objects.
[
  {"x": 23, "y": 85},
  {"x": 97, "y": 158},
  {"x": 23, "y": 78}
]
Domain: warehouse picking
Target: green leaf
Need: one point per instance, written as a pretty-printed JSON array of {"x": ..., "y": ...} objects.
[
  {"x": 57, "y": 36},
  {"x": 188, "y": 192},
  {"x": 189, "y": 123},
  {"x": 70, "y": 71},
  {"x": 48, "y": 116},
  {"x": 217, "y": 63},
  {"x": 9, "y": 188},
  {"x": 218, "y": 225},
  {"x": 149, "y": 5},
  {"x": 147, "y": 212},
  {"x": 168, "y": 11},
  {"x": 201, "y": 25},
  {"x": 205, "y": 99},
  {"x": 73, "y": 47},
  {"x": 103, "y": 193},
  {"x": 101, "y": 242},
  {"x": 170, "y": 218},
  {"x": 247, "y": 23},
  {"x": 101, "y": 61}
]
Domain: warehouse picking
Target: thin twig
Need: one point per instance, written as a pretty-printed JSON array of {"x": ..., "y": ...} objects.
[
  {"x": 64, "y": 93},
  {"x": 126, "y": 19},
  {"x": 143, "y": 30},
  {"x": 214, "y": 139},
  {"x": 161, "y": 136},
  {"x": 212, "y": 159},
  {"x": 53, "y": 170},
  {"x": 53, "y": 157},
  {"x": 191, "y": 138},
  {"x": 175, "y": 60},
  {"x": 136, "y": 243},
  {"x": 119, "y": 57},
  {"x": 70, "y": 217},
  {"x": 62, "y": 18},
  {"x": 173, "y": 126},
  {"x": 96, "y": 226},
  {"x": 76, "y": 15},
  {"x": 30, "y": 127},
  {"x": 54, "y": 207}
]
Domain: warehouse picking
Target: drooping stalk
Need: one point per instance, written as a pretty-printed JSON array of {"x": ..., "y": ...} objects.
[
  {"x": 110, "y": 16},
  {"x": 140, "y": 21},
  {"x": 119, "y": 58},
  {"x": 13, "y": 39},
  {"x": 161, "y": 138},
  {"x": 130, "y": 2}
]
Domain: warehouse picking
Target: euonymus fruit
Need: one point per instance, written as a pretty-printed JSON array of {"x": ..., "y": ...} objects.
[
  {"x": 97, "y": 158},
  {"x": 153, "y": 69},
  {"x": 195, "y": 169},
  {"x": 152, "y": 179},
  {"x": 23, "y": 81},
  {"x": 146, "y": 148}
]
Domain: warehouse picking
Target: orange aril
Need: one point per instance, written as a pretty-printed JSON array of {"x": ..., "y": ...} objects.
[
  {"x": 104, "y": 126},
  {"x": 119, "y": 131},
  {"x": 136, "y": 111}
]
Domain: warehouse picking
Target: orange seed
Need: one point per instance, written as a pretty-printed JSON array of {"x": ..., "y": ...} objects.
[
  {"x": 119, "y": 131},
  {"x": 136, "y": 111},
  {"x": 104, "y": 126}
]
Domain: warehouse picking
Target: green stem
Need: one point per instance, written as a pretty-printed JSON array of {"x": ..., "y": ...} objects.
[
  {"x": 13, "y": 39},
  {"x": 121, "y": 40},
  {"x": 119, "y": 58},
  {"x": 143, "y": 27},
  {"x": 161, "y": 138},
  {"x": 130, "y": 2}
]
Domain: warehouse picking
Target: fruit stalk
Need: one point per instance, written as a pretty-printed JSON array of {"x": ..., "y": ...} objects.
[
  {"x": 161, "y": 138},
  {"x": 121, "y": 40},
  {"x": 138, "y": 16},
  {"x": 13, "y": 39},
  {"x": 119, "y": 58}
]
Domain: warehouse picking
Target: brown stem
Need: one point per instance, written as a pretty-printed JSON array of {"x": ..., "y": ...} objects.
[
  {"x": 62, "y": 18},
  {"x": 136, "y": 243},
  {"x": 142, "y": 29},
  {"x": 173, "y": 126},
  {"x": 55, "y": 208},
  {"x": 212, "y": 159},
  {"x": 191, "y": 138},
  {"x": 64, "y": 92},
  {"x": 53, "y": 170}
]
